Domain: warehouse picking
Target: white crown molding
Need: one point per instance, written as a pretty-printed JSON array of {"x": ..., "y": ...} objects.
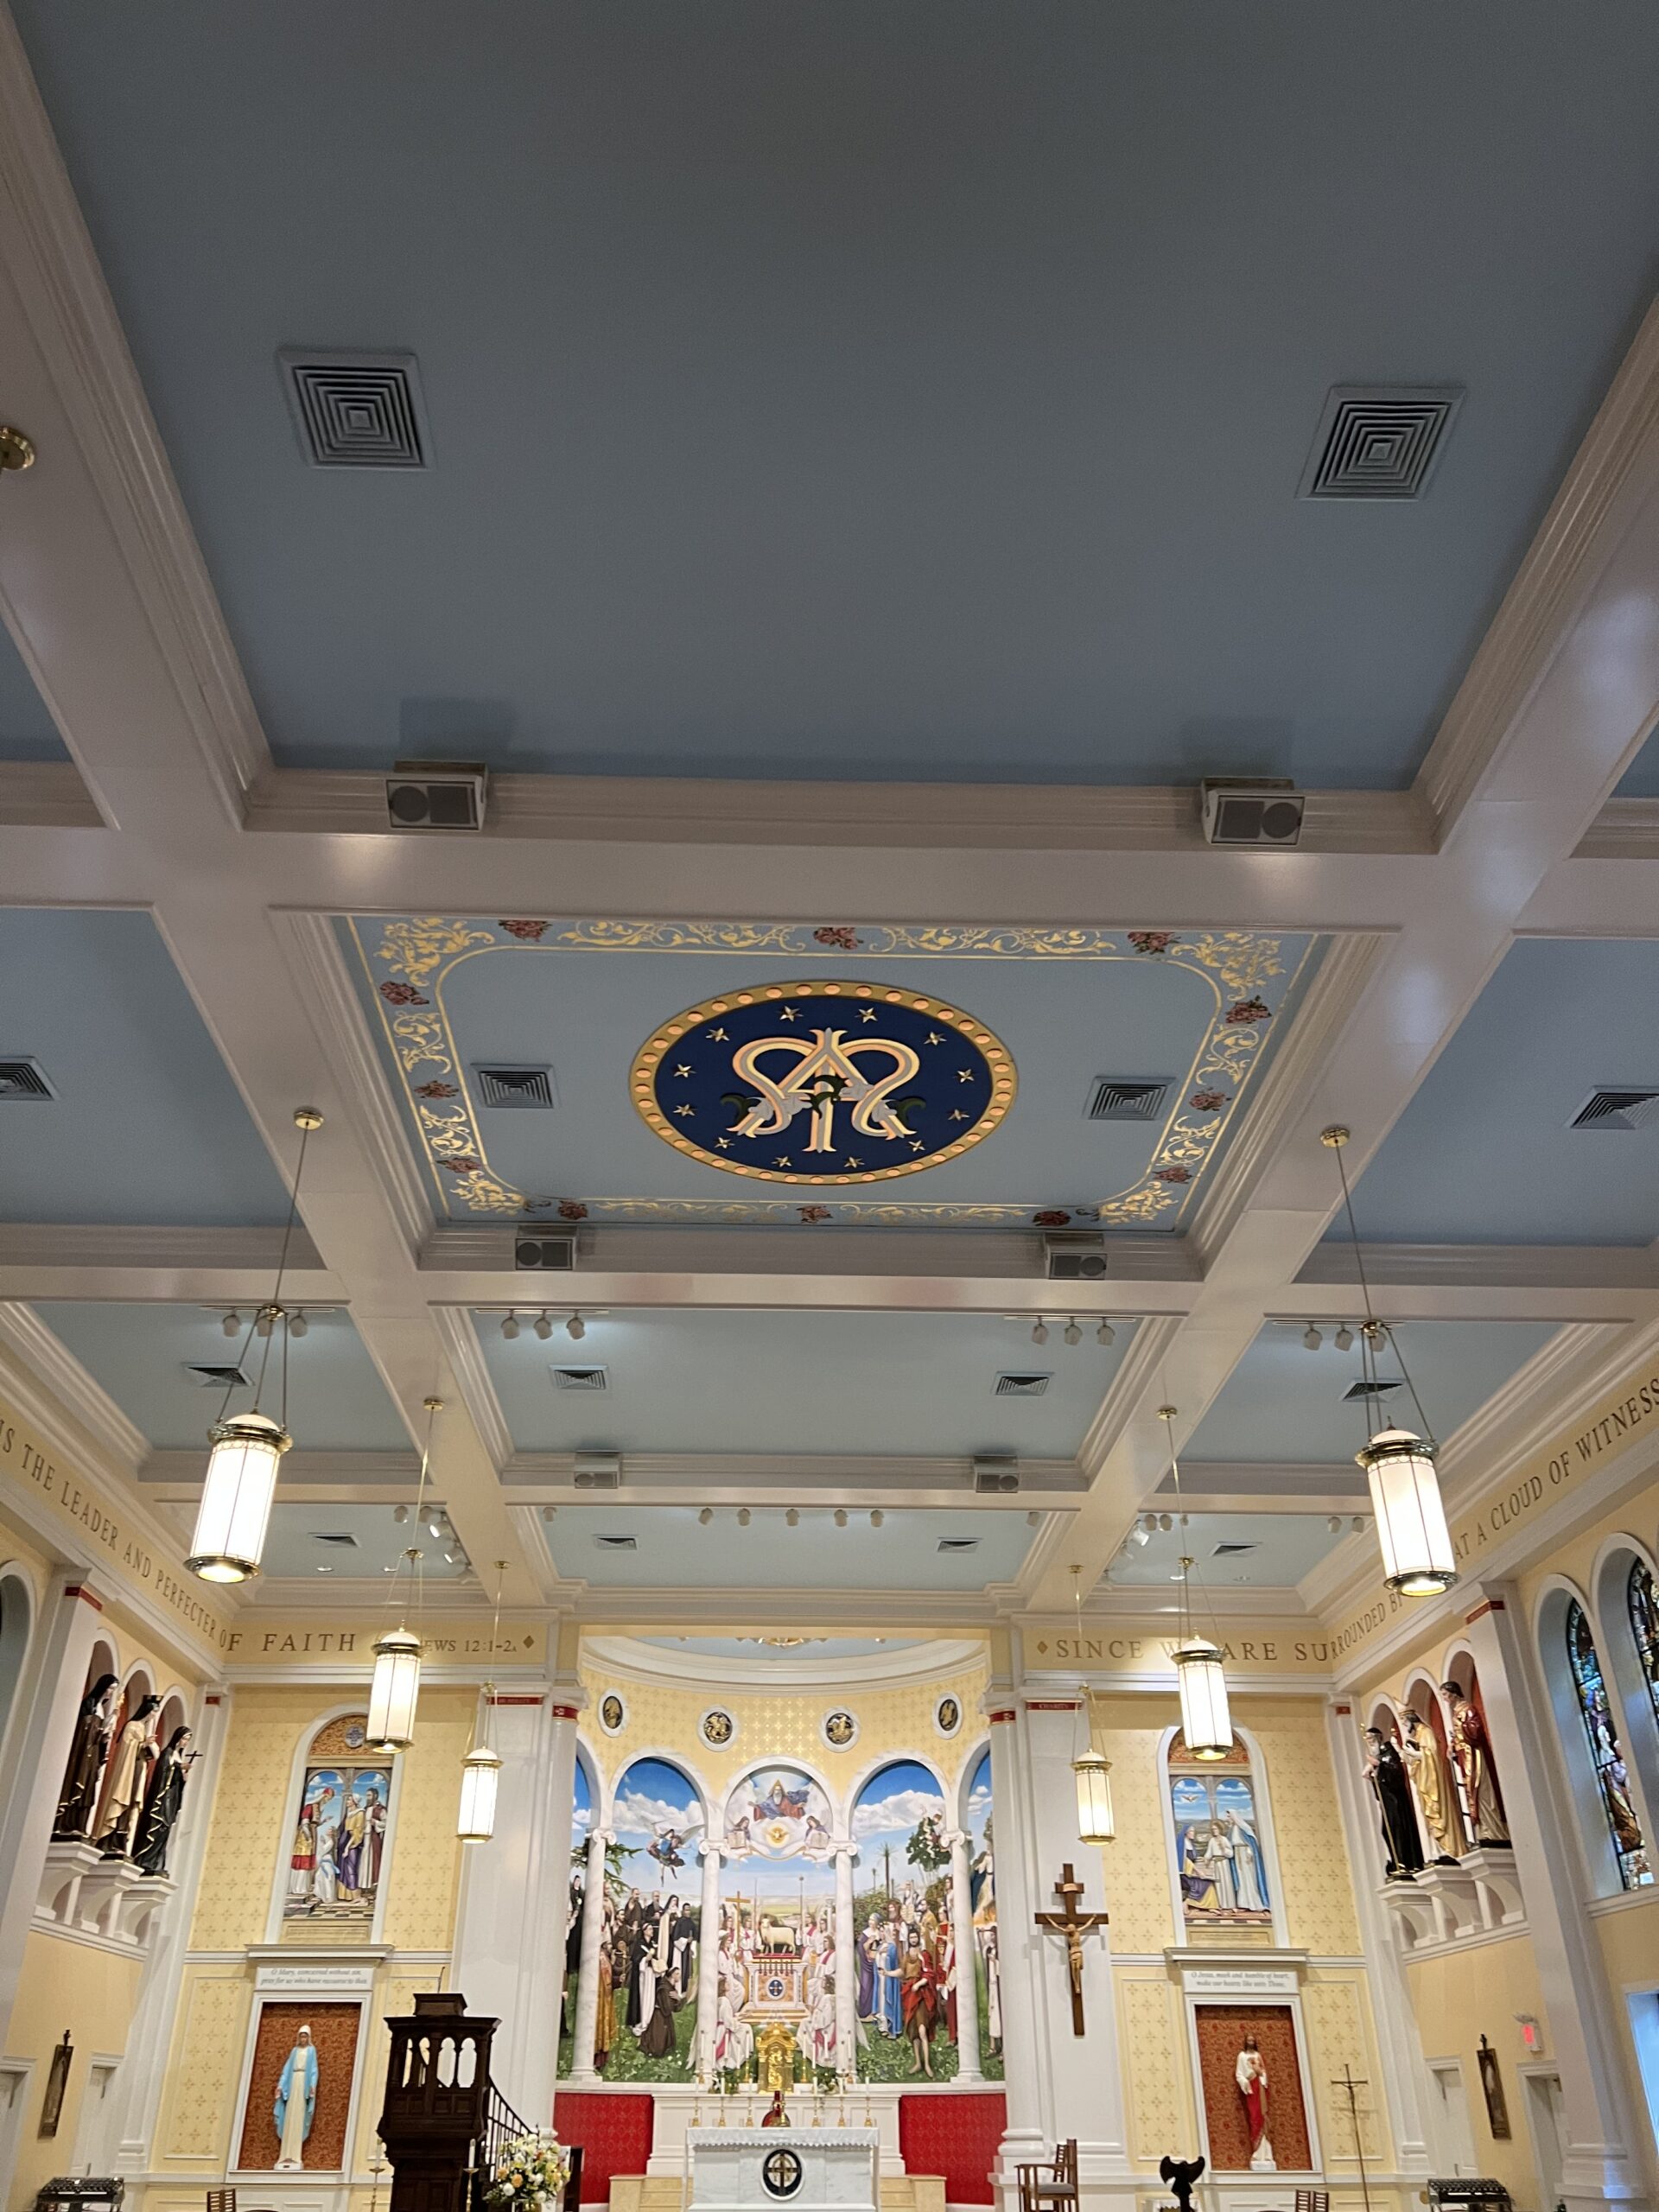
[
  {"x": 1616, "y": 466},
  {"x": 1625, "y": 830},
  {"x": 319, "y": 968},
  {"x": 465, "y": 1358},
  {"x": 717, "y": 810},
  {"x": 71, "y": 318},
  {"x": 1347, "y": 967},
  {"x": 172, "y": 1477},
  {"x": 121, "y": 1262},
  {"x": 872, "y": 1611},
  {"x": 934, "y": 1661},
  {"x": 778, "y": 1480},
  {"x": 54, "y": 1368},
  {"x": 46, "y": 795},
  {"x": 1477, "y": 1266}
]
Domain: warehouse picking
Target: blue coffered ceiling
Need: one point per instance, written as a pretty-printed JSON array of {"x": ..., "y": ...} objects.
[
  {"x": 1200, "y": 1009},
  {"x": 26, "y": 730},
  {"x": 1484, "y": 1153},
  {"x": 145, "y": 1124},
  {"x": 863, "y": 391},
  {"x": 673, "y": 1550}
]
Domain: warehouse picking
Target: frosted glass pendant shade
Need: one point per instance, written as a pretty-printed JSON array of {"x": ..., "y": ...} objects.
[
  {"x": 1093, "y": 1771},
  {"x": 394, "y": 1690},
  {"x": 1206, "y": 1724},
  {"x": 235, "y": 1509},
  {"x": 1417, "y": 1555},
  {"x": 480, "y": 1772}
]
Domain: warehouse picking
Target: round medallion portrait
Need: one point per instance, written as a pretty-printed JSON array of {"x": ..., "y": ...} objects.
[
  {"x": 840, "y": 1729},
  {"x": 613, "y": 1714},
  {"x": 947, "y": 1716},
  {"x": 823, "y": 1081},
  {"x": 717, "y": 1728}
]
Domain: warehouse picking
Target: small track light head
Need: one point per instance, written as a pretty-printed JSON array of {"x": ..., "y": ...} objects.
[
  {"x": 1105, "y": 1334},
  {"x": 1343, "y": 1340},
  {"x": 510, "y": 1326},
  {"x": 1072, "y": 1334},
  {"x": 1039, "y": 1333},
  {"x": 231, "y": 1325},
  {"x": 1311, "y": 1338},
  {"x": 576, "y": 1328},
  {"x": 543, "y": 1326}
]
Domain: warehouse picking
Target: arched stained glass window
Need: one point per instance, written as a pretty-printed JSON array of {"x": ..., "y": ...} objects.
[
  {"x": 1643, "y": 1600},
  {"x": 1613, "y": 1780}
]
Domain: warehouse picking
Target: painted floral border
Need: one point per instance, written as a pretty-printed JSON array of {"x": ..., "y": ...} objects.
[{"x": 412, "y": 955}]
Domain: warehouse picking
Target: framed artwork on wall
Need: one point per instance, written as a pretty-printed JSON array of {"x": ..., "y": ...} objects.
[
  {"x": 57, "y": 2080},
  {"x": 1491, "y": 2082}
]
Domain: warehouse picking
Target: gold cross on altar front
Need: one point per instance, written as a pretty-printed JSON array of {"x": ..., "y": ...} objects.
[{"x": 1073, "y": 1925}]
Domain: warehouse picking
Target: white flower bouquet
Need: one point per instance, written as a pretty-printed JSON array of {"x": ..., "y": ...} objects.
[{"x": 531, "y": 2170}]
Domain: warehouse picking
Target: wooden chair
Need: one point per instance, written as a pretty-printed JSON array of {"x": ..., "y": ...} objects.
[
  {"x": 1052, "y": 2186},
  {"x": 221, "y": 2200},
  {"x": 1312, "y": 2200}
]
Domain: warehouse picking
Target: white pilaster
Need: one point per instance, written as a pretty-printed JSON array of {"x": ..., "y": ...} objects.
[
  {"x": 962, "y": 1933},
  {"x": 846, "y": 1963},
  {"x": 707, "y": 1960},
  {"x": 1399, "y": 2046},
  {"x": 52, "y": 1693},
  {"x": 1025, "y": 2135},
  {"x": 584, "y": 2073},
  {"x": 1600, "y": 2166},
  {"x": 143, "y": 2069}
]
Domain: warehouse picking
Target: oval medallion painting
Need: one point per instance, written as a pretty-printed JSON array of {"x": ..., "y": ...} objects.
[{"x": 823, "y": 1083}]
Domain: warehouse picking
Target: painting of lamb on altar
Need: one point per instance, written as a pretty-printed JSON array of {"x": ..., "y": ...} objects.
[{"x": 777, "y": 1959}]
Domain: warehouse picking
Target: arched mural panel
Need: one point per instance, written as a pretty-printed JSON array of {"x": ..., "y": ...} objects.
[
  {"x": 1221, "y": 1861},
  {"x": 581, "y": 1823},
  {"x": 981, "y": 1954},
  {"x": 778, "y": 1962},
  {"x": 337, "y": 1860},
  {"x": 902, "y": 1909},
  {"x": 646, "y": 2027}
]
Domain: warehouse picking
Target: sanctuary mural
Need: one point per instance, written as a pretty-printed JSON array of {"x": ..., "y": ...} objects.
[
  {"x": 647, "y": 2017},
  {"x": 337, "y": 1860},
  {"x": 1223, "y": 1866},
  {"x": 778, "y": 1962}
]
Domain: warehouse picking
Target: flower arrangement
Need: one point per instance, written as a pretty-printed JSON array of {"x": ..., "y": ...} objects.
[{"x": 532, "y": 2169}]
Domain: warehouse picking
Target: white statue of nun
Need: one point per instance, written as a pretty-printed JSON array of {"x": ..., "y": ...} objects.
[{"x": 296, "y": 2103}]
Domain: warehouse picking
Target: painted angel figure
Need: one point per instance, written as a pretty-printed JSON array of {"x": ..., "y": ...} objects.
[{"x": 664, "y": 1848}]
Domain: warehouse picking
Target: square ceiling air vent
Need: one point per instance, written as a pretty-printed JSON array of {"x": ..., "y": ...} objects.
[
  {"x": 355, "y": 411},
  {"x": 1616, "y": 1110},
  {"x": 1379, "y": 443},
  {"x": 338, "y": 1538},
  {"x": 1357, "y": 1392},
  {"x": 1111, "y": 1099},
  {"x": 958, "y": 1543},
  {"x": 1021, "y": 1386},
  {"x": 24, "y": 1079},
  {"x": 500, "y": 1085},
  {"x": 217, "y": 1378},
  {"x": 617, "y": 1543},
  {"x": 1233, "y": 1551},
  {"x": 580, "y": 1379}
]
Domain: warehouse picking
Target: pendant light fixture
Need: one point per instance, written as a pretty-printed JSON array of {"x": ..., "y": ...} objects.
[
  {"x": 481, "y": 1768},
  {"x": 1092, "y": 1769},
  {"x": 1200, "y": 1670},
  {"x": 247, "y": 1448},
  {"x": 396, "y": 1684},
  {"x": 1418, "y": 1560}
]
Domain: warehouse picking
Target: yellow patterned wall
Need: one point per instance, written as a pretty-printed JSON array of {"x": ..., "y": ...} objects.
[
  {"x": 90, "y": 1991},
  {"x": 1152, "y": 2035},
  {"x": 895, "y": 1720}
]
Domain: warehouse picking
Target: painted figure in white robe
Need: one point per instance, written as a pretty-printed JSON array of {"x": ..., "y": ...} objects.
[
  {"x": 296, "y": 2103},
  {"x": 1250, "y": 1873},
  {"x": 325, "y": 1880},
  {"x": 1219, "y": 1866}
]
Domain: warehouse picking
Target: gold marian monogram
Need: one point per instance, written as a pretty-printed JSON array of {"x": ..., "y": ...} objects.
[{"x": 825, "y": 1074}]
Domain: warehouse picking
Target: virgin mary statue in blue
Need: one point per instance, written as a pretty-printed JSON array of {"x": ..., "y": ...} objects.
[{"x": 296, "y": 2103}]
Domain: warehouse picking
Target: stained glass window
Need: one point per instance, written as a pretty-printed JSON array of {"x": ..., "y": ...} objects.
[
  {"x": 1643, "y": 1601},
  {"x": 1613, "y": 1780}
]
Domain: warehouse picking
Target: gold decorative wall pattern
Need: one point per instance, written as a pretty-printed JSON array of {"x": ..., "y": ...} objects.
[
  {"x": 1314, "y": 1873},
  {"x": 1336, "y": 2037},
  {"x": 202, "y": 2078},
  {"x": 1151, "y": 2035}
]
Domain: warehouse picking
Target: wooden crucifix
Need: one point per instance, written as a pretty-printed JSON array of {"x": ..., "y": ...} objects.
[{"x": 1073, "y": 1925}]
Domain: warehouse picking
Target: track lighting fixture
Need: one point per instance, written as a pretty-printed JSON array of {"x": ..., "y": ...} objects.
[
  {"x": 1072, "y": 1333},
  {"x": 550, "y": 1512},
  {"x": 792, "y": 1517},
  {"x": 400, "y": 1515},
  {"x": 544, "y": 1328},
  {"x": 1139, "y": 1535},
  {"x": 841, "y": 1516},
  {"x": 1039, "y": 1333},
  {"x": 1105, "y": 1334},
  {"x": 743, "y": 1516},
  {"x": 247, "y": 1448},
  {"x": 510, "y": 1326},
  {"x": 1416, "y": 1545},
  {"x": 435, "y": 1524},
  {"x": 1334, "y": 1524},
  {"x": 576, "y": 1328},
  {"x": 877, "y": 1518},
  {"x": 1343, "y": 1340},
  {"x": 231, "y": 1325},
  {"x": 299, "y": 1327},
  {"x": 1033, "y": 1519},
  {"x": 705, "y": 1517},
  {"x": 1166, "y": 1522},
  {"x": 1311, "y": 1338}
]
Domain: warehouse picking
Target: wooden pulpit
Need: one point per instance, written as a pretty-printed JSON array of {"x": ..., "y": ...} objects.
[{"x": 435, "y": 2122}]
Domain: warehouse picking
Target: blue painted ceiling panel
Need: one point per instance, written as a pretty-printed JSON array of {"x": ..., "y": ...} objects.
[
  {"x": 865, "y": 391},
  {"x": 26, "y": 730}
]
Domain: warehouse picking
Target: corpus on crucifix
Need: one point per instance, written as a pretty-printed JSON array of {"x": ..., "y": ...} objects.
[{"x": 1073, "y": 1925}]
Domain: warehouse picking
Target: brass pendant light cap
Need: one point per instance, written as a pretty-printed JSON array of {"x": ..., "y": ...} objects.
[
  {"x": 17, "y": 450},
  {"x": 1335, "y": 1136},
  {"x": 307, "y": 1118}
]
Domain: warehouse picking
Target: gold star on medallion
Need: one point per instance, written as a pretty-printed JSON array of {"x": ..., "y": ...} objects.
[
  {"x": 685, "y": 1112},
  {"x": 916, "y": 1144},
  {"x": 718, "y": 1035},
  {"x": 867, "y": 1013},
  {"x": 957, "y": 1115},
  {"x": 725, "y": 1143},
  {"x": 964, "y": 1075},
  {"x": 934, "y": 1038},
  {"x": 682, "y": 1070},
  {"x": 782, "y": 1160},
  {"x": 853, "y": 1161},
  {"x": 789, "y": 1014}
]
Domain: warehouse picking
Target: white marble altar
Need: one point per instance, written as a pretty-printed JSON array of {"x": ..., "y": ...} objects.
[{"x": 774, "y": 2169}]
